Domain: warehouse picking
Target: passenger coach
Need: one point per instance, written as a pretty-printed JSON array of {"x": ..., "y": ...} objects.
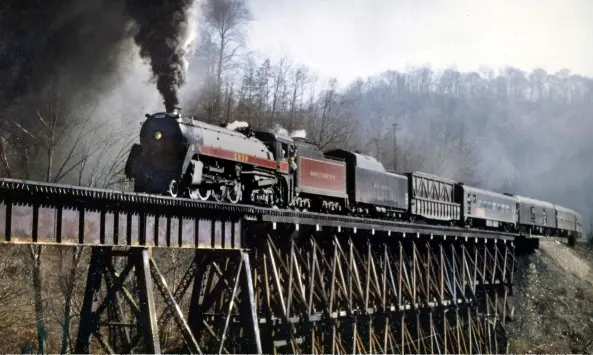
[
  {"x": 488, "y": 209},
  {"x": 535, "y": 216},
  {"x": 568, "y": 221}
]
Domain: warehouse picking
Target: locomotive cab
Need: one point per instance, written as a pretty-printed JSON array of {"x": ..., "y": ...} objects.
[{"x": 280, "y": 146}]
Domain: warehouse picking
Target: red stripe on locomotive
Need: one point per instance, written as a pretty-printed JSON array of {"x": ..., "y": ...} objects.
[
  {"x": 322, "y": 175},
  {"x": 238, "y": 157},
  {"x": 284, "y": 167}
]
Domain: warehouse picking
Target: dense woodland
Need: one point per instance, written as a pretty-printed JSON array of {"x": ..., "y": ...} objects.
[{"x": 499, "y": 128}]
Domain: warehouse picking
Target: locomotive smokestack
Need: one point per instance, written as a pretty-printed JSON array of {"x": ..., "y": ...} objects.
[{"x": 176, "y": 112}]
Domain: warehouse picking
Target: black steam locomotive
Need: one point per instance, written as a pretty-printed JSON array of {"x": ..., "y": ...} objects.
[{"x": 183, "y": 157}]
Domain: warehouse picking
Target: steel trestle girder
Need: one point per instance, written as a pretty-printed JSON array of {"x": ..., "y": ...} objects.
[
  {"x": 307, "y": 292},
  {"x": 353, "y": 293},
  {"x": 41, "y": 213}
]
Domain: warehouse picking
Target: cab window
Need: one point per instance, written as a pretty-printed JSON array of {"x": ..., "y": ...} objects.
[{"x": 284, "y": 151}]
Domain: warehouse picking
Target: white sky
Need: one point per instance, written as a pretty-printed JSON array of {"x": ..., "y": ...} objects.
[{"x": 351, "y": 38}]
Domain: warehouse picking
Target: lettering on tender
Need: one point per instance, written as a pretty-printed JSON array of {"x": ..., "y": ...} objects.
[{"x": 321, "y": 175}]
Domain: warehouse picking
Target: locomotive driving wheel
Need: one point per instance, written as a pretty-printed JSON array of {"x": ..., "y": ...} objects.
[
  {"x": 234, "y": 192},
  {"x": 199, "y": 194},
  {"x": 219, "y": 193},
  {"x": 173, "y": 188}
]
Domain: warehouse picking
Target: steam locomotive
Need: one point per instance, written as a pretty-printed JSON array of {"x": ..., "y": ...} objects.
[{"x": 183, "y": 157}]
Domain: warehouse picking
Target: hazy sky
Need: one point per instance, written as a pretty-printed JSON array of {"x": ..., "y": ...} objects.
[{"x": 351, "y": 38}]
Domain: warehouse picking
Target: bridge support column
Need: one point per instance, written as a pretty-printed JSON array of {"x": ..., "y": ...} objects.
[
  {"x": 119, "y": 312},
  {"x": 103, "y": 269},
  {"x": 222, "y": 313}
]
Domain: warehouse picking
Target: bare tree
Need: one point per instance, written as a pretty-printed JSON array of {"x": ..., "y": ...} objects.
[
  {"x": 225, "y": 20},
  {"x": 296, "y": 102},
  {"x": 279, "y": 88},
  {"x": 61, "y": 146},
  {"x": 335, "y": 123}
]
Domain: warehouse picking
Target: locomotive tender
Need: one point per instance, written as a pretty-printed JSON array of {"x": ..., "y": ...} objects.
[{"x": 184, "y": 157}]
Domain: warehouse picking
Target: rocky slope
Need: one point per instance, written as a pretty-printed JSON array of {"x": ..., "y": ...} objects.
[{"x": 554, "y": 301}]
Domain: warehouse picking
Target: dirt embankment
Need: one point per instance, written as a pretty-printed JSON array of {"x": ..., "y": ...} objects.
[{"x": 554, "y": 301}]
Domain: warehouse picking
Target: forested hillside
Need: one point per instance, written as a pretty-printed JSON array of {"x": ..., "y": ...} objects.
[{"x": 501, "y": 128}]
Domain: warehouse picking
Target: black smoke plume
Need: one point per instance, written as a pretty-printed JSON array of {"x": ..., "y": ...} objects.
[
  {"x": 76, "y": 42},
  {"x": 164, "y": 32}
]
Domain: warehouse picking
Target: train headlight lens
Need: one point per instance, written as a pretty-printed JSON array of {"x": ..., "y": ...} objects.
[{"x": 158, "y": 135}]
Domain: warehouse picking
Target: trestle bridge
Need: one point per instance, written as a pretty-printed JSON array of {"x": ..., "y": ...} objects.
[{"x": 269, "y": 281}]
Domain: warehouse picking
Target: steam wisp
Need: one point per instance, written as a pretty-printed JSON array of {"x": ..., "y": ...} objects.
[
  {"x": 165, "y": 31},
  {"x": 299, "y": 133},
  {"x": 237, "y": 124},
  {"x": 281, "y": 131}
]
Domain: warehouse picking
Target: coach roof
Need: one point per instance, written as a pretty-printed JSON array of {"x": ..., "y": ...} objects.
[
  {"x": 523, "y": 199},
  {"x": 488, "y": 193}
]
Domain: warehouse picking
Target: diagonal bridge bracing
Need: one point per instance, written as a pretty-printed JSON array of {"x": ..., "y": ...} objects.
[{"x": 264, "y": 281}]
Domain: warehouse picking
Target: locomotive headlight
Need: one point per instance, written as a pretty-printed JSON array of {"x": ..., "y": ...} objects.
[{"x": 158, "y": 135}]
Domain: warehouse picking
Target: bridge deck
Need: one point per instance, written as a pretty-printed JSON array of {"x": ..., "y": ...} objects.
[{"x": 43, "y": 213}]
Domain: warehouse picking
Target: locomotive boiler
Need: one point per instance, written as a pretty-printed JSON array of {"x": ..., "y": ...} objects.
[{"x": 179, "y": 156}]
